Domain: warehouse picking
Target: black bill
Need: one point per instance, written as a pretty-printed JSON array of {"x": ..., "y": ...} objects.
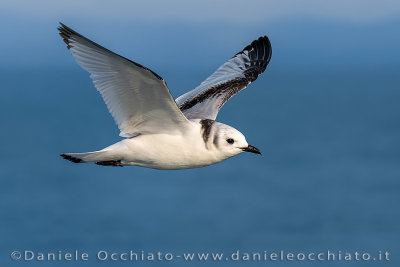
[{"x": 251, "y": 149}]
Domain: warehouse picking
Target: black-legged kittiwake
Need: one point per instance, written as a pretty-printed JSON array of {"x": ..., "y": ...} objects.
[{"x": 163, "y": 133}]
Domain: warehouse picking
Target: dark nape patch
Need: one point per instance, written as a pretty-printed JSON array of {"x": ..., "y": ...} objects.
[
  {"x": 215, "y": 141},
  {"x": 110, "y": 163},
  {"x": 72, "y": 159},
  {"x": 206, "y": 126}
]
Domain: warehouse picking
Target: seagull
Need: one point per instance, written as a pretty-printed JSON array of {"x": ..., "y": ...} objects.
[{"x": 160, "y": 132}]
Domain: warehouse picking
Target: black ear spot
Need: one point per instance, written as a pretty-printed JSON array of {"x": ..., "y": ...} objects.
[{"x": 230, "y": 141}]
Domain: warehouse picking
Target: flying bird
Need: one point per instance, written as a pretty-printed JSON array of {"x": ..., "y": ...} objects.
[{"x": 160, "y": 132}]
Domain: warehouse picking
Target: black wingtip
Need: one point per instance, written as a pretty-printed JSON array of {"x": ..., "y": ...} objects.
[
  {"x": 259, "y": 53},
  {"x": 260, "y": 44},
  {"x": 72, "y": 159},
  {"x": 65, "y": 32},
  {"x": 268, "y": 48},
  {"x": 65, "y": 28},
  {"x": 262, "y": 49}
]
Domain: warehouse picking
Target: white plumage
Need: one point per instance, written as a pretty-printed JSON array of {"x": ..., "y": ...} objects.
[{"x": 162, "y": 133}]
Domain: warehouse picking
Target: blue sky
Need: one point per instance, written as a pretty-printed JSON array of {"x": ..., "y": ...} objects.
[
  {"x": 242, "y": 12},
  {"x": 306, "y": 35}
]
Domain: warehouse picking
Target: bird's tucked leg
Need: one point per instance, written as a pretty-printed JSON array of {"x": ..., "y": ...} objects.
[{"x": 110, "y": 163}]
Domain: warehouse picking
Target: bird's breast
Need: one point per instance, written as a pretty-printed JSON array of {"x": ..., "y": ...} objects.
[{"x": 162, "y": 151}]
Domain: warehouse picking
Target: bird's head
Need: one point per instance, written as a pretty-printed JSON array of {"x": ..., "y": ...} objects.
[{"x": 230, "y": 141}]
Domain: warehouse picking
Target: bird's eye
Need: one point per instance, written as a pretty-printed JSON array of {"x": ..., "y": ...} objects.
[{"x": 230, "y": 141}]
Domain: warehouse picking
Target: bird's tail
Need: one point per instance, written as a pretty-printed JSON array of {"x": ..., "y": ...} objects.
[{"x": 103, "y": 157}]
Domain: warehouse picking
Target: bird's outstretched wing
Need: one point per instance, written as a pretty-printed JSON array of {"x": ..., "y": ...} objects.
[
  {"x": 137, "y": 98},
  {"x": 205, "y": 101}
]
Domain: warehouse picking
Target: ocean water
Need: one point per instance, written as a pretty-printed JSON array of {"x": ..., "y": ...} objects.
[{"x": 328, "y": 179}]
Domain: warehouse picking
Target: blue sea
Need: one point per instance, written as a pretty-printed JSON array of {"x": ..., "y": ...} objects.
[{"x": 328, "y": 179}]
